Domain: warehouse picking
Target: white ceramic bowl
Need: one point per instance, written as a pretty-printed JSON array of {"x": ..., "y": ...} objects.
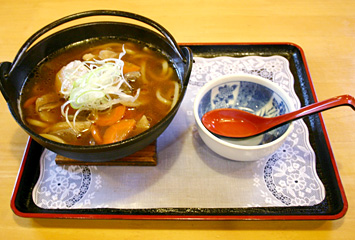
[{"x": 249, "y": 93}]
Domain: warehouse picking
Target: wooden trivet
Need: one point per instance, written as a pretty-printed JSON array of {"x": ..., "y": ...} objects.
[{"x": 144, "y": 157}]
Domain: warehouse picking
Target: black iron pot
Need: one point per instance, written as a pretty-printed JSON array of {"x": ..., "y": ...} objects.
[{"x": 13, "y": 75}]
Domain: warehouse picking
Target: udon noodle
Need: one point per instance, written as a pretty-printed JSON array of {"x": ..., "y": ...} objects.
[{"x": 99, "y": 92}]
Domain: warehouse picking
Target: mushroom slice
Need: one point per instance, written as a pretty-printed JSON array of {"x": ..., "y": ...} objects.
[{"x": 48, "y": 107}]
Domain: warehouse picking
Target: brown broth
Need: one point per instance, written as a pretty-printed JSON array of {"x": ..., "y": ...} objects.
[{"x": 156, "y": 77}]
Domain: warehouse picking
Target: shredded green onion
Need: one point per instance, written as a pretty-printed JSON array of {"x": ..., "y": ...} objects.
[{"x": 95, "y": 86}]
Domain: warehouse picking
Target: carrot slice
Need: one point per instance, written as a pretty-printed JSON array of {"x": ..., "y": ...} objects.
[
  {"x": 118, "y": 131},
  {"x": 130, "y": 67},
  {"x": 30, "y": 101},
  {"x": 96, "y": 134},
  {"x": 111, "y": 117}
]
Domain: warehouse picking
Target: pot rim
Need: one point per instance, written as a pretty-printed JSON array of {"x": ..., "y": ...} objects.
[{"x": 184, "y": 53}]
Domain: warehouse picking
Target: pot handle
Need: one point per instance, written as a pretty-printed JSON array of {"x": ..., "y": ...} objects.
[
  {"x": 4, "y": 72},
  {"x": 75, "y": 16}
]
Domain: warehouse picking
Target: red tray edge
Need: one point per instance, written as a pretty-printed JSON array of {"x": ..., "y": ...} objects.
[{"x": 201, "y": 217}]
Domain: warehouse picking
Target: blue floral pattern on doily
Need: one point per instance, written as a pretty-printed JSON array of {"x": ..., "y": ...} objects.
[
  {"x": 288, "y": 174},
  {"x": 63, "y": 186}
]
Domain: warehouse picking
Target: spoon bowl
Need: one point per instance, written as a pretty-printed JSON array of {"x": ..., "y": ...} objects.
[{"x": 235, "y": 123}]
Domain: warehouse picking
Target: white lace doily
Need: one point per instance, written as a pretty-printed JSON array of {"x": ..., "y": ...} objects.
[{"x": 188, "y": 174}]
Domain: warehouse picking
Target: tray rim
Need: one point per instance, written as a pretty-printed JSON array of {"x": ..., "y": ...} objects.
[{"x": 338, "y": 215}]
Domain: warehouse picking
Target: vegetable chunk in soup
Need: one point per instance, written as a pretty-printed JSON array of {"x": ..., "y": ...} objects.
[{"x": 99, "y": 93}]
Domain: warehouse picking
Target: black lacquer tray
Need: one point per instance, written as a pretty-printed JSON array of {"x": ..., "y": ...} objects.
[{"x": 334, "y": 205}]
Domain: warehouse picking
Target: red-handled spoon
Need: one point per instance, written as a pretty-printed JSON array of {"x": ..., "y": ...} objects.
[{"x": 229, "y": 122}]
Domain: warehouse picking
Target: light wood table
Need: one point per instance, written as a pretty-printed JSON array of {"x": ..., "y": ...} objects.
[{"x": 325, "y": 29}]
